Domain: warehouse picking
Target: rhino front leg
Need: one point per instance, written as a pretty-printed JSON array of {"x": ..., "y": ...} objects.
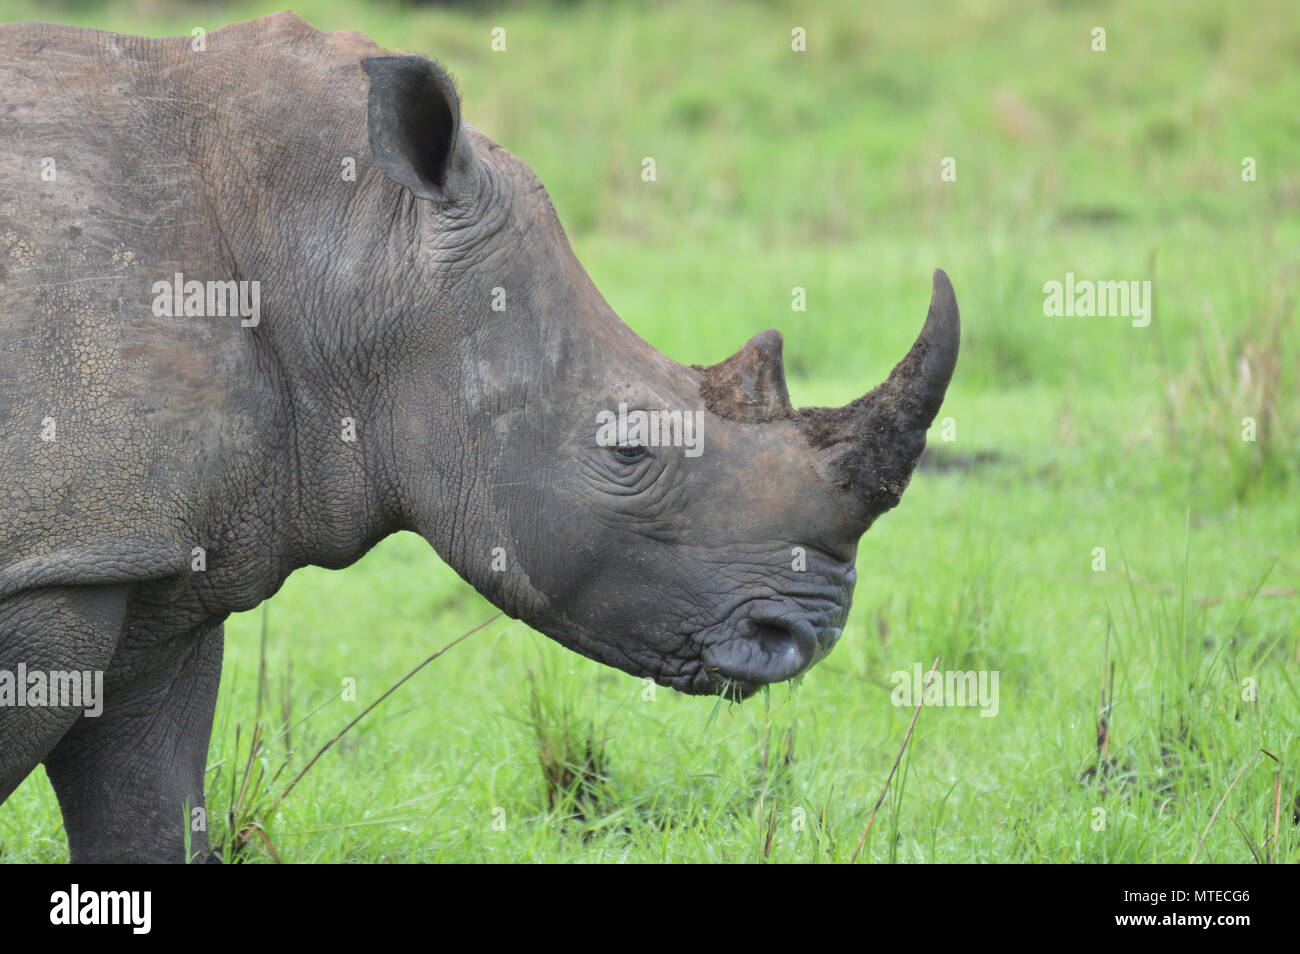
[
  {"x": 130, "y": 781},
  {"x": 49, "y": 630}
]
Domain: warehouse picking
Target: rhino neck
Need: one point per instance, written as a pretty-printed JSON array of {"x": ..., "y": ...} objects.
[
  {"x": 316, "y": 390},
  {"x": 337, "y": 468},
  {"x": 375, "y": 428}
]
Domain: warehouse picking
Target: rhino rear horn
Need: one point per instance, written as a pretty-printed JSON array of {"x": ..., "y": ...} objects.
[
  {"x": 870, "y": 446},
  {"x": 750, "y": 385},
  {"x": 416, "y": 137}
]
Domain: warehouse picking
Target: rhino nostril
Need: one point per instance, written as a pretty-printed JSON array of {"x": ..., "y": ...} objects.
[
  {"x": 787, "y": 645},
  {"x": 765, "y": 647},
  {"x": 773, "y": 640}
]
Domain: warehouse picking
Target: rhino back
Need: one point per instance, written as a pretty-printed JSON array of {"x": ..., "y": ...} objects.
[{"x": 127, "y": 436}]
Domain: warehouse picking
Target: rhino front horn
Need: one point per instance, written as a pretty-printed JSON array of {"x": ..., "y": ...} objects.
[
  {"x": 750, "y": 385},
  {"x": 869, "y": 447}
]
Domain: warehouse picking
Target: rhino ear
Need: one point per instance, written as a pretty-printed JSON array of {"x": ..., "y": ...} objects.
[{"x": 415, "y": 127}]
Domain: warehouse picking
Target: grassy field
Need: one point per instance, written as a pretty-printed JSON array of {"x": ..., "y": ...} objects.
[{"x": 822, "y": 170}]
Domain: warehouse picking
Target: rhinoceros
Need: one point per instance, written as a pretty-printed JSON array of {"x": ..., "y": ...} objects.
[{"x": 267, "y": 298}]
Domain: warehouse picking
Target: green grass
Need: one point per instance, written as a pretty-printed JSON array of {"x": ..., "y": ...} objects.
[{"x": 821, "y": 170}]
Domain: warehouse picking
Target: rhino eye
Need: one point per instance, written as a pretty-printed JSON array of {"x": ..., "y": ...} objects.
[{"x": 629, "y": 453}]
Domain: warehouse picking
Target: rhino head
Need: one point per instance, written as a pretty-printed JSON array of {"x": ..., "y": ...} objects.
[{"x": 713, "y": 553}]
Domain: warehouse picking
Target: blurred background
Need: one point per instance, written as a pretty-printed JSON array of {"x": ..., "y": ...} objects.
[{"x": 823, "y": 169}]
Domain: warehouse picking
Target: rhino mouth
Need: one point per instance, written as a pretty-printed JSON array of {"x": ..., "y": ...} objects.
[
  {"x": 772, "y": 631},
  {"x": 765, "y": 642}
]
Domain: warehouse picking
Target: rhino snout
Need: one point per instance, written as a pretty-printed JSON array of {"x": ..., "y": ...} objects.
[{"x": 770, "y": 644}]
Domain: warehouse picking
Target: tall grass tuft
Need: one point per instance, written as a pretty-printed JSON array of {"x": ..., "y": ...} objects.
[
  {"x": 571, "y": 752},
  {"x": 1232, "y": 410}
]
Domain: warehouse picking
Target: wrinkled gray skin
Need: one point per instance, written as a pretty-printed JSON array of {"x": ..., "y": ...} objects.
[{"x": 475, "y": 428}]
